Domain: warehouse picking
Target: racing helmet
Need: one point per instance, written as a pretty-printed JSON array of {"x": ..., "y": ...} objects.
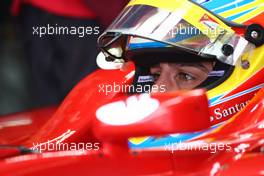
[{"x": 148, "y": 32}]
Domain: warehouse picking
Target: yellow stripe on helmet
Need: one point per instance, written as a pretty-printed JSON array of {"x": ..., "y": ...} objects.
[
  {"x": 250, "y": 15},
  {"x": 258, "y": 4},
  {"x": 188, "y": 8}
]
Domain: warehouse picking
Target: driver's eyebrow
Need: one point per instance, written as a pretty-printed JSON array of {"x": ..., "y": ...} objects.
[{"x": 201, "y": 66}]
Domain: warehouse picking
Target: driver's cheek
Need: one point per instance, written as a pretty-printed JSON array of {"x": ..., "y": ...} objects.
[
  {"x": 189, "y": 85},
  {"x": 168, "y": 83}
]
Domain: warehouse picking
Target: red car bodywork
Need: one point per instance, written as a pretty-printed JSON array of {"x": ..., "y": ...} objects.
[{"x": 75, "y": 121}]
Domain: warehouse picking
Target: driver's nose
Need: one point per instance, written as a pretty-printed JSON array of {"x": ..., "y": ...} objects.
[{"x": 166, "y": 80}]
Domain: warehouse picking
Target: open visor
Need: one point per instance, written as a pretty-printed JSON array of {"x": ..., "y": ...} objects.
[{"x": 145, "y": 26}]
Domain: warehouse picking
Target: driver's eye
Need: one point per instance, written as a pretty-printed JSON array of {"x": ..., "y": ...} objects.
[{"x": 185, "y": 77}]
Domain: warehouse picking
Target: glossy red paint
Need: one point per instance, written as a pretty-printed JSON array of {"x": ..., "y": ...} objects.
[
  {"x": 240, "y": 101},
  {"x": 243, "y": 132},
  {"x": 172, "y": 105},
  {"x": 75, "y": 121},
  {"x": 18, "y": 127}
]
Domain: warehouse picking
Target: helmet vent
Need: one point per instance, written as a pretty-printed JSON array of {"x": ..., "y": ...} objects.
[{"x": 255, "y": 34}]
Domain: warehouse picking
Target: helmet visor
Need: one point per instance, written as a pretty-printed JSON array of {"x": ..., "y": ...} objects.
[{"x": 148, "y": 27}]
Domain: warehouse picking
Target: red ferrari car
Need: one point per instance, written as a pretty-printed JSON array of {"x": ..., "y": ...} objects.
[{"x": 101, "y": 128}]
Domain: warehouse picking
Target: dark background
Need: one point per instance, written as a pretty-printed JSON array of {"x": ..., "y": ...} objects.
[
  {"x": 14, "y": 76},
  {"x": 18, "y": 91}
]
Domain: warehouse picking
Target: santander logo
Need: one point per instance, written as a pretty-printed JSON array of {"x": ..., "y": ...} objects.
[{"x": 133, "y": 110}]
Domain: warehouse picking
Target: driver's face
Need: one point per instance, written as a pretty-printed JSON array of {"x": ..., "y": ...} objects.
[{"x": 178, "y": 76}]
